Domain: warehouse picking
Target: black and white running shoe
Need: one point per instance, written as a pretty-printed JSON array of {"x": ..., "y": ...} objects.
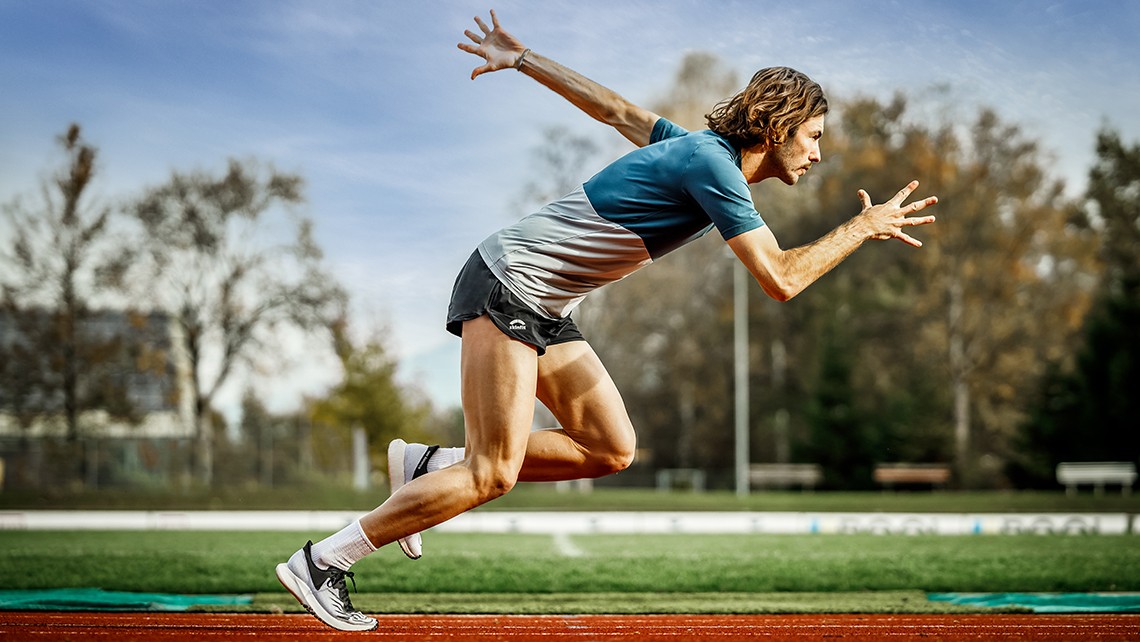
[
  {"x": 323, "y": 592},
  {"x": 405, "y": 463}
]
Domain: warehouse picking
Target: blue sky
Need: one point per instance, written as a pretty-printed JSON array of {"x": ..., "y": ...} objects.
[{"x": 409, "y": 164}]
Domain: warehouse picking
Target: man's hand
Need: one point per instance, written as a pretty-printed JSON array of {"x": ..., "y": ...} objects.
[
  {"x": 500, "y": 49},
  {"x": 886, "y": 221}
]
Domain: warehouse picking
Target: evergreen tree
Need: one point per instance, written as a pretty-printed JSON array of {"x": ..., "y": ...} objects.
[{"x": 1088, "y": 412}]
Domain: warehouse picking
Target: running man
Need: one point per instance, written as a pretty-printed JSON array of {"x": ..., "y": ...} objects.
[{"x": 512, "y": 301}]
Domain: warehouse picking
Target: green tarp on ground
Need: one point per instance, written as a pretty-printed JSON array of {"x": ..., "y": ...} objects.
[
  {"x": 93, "y": 599},
  {"x": 1047, "y": 602}
]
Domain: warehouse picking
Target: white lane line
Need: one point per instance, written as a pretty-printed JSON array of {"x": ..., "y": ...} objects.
[{"x": 566, "y": 547}]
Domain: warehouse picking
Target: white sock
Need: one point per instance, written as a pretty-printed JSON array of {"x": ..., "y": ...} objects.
[
  {"x": 344, "y": 548},
  {"x": 443, "y": 458}
]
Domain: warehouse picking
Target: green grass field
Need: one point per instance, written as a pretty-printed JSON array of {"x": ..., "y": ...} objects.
[
  {"x": 467, "y": 573},
  {"x": 615, "y": 574}
]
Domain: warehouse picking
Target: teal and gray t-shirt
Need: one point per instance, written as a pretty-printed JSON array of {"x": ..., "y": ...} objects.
[{"x": 644, "y": 205}]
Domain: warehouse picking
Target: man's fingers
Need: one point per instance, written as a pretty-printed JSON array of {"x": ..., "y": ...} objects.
[
  {"x": 472, "y": 49},
  {"x": 494, "y": 19},
  {"x": 908, "y": 239},
  {"x": 917, "y": 207},
  {"x": 482, "y": 25},
  {"x": 898, "y": 199},
  {"x": 912, "y": 222},
  {"x": 473, "y": 36},
  {"x": 904, "y": 192},
  {"x": 480, "y": 70}
]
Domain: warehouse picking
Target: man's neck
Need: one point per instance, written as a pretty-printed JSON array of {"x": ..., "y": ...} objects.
[{"x": 752, "y": 163}]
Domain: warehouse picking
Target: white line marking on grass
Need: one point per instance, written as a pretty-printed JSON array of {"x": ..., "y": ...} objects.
[{"x": 567, "y": 548}]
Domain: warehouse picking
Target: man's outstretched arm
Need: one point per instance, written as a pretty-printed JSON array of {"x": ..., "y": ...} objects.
[
  {"x": 501, "y": 50},
  {"x": 785, "y": 273}
]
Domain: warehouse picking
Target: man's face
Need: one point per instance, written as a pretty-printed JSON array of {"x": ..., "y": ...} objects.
[{"x": 795, "y": 157}]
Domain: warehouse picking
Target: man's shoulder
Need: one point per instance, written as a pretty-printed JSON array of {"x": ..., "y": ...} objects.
[
  {"x": 701, "y": 140},
  {"x": 665, "y": 129},
  {"x": 706, "y": 148}
]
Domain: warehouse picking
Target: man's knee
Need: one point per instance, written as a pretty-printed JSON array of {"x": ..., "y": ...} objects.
[
  {"x": 613, "y": 459},
  {"x": 494, "y": 480}
]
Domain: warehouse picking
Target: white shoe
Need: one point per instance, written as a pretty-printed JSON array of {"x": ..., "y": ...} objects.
[
  {"x": 405, "y": 463},
  {"x": 323, "y": 592}
]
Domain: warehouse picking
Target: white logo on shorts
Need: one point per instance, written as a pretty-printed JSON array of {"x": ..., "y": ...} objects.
[{"x": 517, "y": 324}]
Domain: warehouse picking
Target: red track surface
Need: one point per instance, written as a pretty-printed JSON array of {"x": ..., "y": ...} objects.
[{"x": 848, "y": 628}]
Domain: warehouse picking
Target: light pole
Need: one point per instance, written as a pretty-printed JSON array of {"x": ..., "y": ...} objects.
[{"x": 740, "y": 278}]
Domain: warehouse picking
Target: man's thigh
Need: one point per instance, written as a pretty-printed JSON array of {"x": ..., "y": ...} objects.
[
  {"x": 498, "y": 382},
  {"x": 575, "y": 386}
]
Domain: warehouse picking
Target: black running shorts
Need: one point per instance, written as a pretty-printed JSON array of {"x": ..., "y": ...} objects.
[{"x": 478, "y": 291}]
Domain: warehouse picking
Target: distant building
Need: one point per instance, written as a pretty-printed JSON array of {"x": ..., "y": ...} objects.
[{"x": 135, "y": 400}]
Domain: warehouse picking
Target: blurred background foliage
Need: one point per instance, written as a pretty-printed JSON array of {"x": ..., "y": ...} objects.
[{"x": 1007, "y": 344}]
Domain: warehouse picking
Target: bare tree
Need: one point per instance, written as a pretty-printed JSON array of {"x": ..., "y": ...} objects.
[
  {"x": 55, "y": 255},
  {"x": 230, "y": 259}
]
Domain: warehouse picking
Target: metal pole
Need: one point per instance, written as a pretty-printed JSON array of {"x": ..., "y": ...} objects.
[
  {"x": 361, "y": 468},
  {"x": 740, "y": 278}
]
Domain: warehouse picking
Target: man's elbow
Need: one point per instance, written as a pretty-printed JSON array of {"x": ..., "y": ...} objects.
[
  {"x": 769, "y": 266},
  {"x": 781, "y": 291},
  {"x": 781, "y": 295}
]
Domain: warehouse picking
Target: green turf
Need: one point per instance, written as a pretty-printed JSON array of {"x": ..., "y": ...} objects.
[{"x": 458, "y": 564}]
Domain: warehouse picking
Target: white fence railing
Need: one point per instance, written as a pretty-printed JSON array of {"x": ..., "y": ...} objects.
[{"x": 584, "y": 523}]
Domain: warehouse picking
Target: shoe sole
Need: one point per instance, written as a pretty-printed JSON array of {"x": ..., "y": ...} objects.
[
  {"x": 396, "y": 480},
  {"x": 299, "y": 590}
]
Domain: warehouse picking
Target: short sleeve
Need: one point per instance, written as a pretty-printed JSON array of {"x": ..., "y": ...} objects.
[
  {"x": 665, "y": 128},
  {"x": 714, "y": 181}
]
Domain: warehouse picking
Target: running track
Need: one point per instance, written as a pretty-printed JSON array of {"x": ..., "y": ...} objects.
[{"x": 181, "y": 627}]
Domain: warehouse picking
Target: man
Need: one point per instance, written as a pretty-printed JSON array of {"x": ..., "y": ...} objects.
[{"x": 512, "y": 301}]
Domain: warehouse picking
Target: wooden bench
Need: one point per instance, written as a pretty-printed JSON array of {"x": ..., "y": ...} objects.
[
  {"x": 805, "y": 476},
  {"x": 891, "y": 475},
  {"x": 1097, "y": 474}
]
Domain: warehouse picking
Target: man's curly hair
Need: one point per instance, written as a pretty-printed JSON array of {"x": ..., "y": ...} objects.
[{"x": 769, "y": 109}]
